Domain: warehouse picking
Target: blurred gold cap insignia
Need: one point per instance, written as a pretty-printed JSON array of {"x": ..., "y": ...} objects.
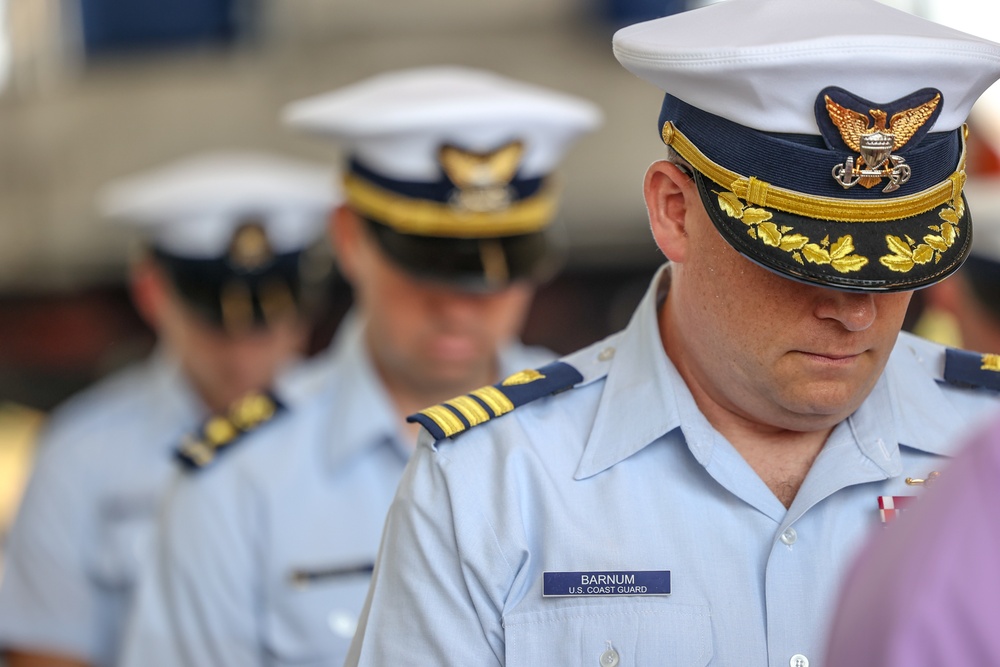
[
  {"x": 250, "y": 248},
  {"x": 482, "y": 179}
]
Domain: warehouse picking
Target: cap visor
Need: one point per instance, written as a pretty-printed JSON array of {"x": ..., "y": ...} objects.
[
  {"x": 879, "y": 256},
  {"x": 471, "y": 264},
  {"x": 236, "y": 300}
]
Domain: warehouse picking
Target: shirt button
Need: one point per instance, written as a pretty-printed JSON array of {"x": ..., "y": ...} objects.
[
  {"x": 609, "y": 658},
  {"x": 789, "y": 537},
  {"x": 342, "y": 624},
  {"x": 798, "y": 660},
  {"x": 606, "y": 354}
]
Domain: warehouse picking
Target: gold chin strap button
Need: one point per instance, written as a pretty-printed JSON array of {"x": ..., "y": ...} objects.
[{"x": 914, "y": 481}]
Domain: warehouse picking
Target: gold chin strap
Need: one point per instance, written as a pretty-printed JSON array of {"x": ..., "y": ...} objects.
[
  {"x": 494, "y": 261},
  {"x": 237, "y": 307},
  {"x": 763, "y": 194},
  {"x": 429, "y": 218},
  {"x": 276, "y": 301}
]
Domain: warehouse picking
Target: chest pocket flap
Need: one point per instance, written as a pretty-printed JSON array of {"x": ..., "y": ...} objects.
[
  {"x": 313, "y": 622},
  {"x": 124, "y": 533},
  {"x": 637, "y": 632}
]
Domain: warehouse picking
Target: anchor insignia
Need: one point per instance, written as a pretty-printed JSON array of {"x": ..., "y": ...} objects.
[{"x": 869, "y": 135}]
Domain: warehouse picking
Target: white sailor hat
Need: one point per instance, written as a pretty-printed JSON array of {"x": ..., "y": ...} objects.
[
  {"x": 451, "y": 166},
  {"x": 230, "y": 228},
  {"x": 828, "y": 138}
]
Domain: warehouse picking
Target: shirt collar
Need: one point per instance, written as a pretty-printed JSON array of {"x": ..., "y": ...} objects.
[
  {"x": 922, "y": 417},
  {"x": 907, "y": 408},
  {"x": 360, "y": 412},
  {"x": 644, "y": 390},
  {"x": 640, "y": 389},
  {"x": 178, "y": 408},
  {"x": 515, "y": 357}
]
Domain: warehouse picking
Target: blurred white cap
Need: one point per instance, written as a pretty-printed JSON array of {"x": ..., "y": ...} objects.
[
  {"x": 192, "y": 208},
  {"x": 395, "y": 123}
]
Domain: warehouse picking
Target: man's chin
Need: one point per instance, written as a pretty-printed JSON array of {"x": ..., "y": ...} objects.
[
  {"x": 453, "y": 351},
  {"x": 818, "y": 412}
]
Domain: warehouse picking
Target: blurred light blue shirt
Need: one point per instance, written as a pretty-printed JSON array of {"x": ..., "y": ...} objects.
[
  {"x": 101, "y": 465},
  {"x": 624, "y": 473},
  {"x": 89, "y": 512},
  {"x": 264, "y": 557}
]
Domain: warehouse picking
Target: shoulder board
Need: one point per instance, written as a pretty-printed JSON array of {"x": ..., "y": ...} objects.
[
  {"x": 221, "y": 431},
  {"x": 972, "y": 369},
  {"x": 459, "y": 414}
]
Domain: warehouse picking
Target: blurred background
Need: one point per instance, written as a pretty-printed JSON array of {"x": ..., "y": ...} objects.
[{"x": 92, "y": 90}]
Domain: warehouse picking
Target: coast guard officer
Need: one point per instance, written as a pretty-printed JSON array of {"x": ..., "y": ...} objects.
[
  {"x": 220, "y": 283},
  {"x": 690, "y": 490},
  {"x": 266, "y": 553}
]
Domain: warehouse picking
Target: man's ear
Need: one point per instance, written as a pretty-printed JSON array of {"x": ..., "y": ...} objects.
[
  {"x": 670, "y": 192},
  {"x": 148, "y": 289},
  {"x": 345, "y": 235}
]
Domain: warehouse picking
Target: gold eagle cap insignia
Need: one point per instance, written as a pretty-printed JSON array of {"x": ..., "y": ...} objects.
[
  {"x": 482, "y": 180},
  {"x": 875, "y": 140},
  {"x": 523, "y": 377},
  {"x": 901, "y": 127}
]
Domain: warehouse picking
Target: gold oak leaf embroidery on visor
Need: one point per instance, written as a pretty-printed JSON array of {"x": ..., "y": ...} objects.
[
  {"x": 839, "y": 255},
  {"x": 907, "y": 253}
]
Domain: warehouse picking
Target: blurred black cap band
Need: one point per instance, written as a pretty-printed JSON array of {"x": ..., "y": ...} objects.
[
  {"x": 233, "y": 297},
  {"x": 481, "y": 264}
]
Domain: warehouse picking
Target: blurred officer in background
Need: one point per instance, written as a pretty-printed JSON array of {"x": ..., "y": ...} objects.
[
  {"x": 972, "y": 295},
  {"x": 689, "y": 491},
  {"x": 220, "y": 281},
  {"x": 265, "y": 555}
]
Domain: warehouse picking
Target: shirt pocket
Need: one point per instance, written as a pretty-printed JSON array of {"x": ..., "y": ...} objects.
[
  {"x": 123, "y": 538},
  {"x": 636, "y": 633},
  {"x": 313, "y": 622}
]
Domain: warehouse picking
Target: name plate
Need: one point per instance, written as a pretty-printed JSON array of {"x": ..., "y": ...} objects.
[{"x": 603, "y": 582}]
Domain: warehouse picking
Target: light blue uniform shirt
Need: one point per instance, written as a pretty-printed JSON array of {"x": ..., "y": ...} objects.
[
  {"x": 103, "y": 463},
  {"x": 623, "y": 473},
  {"x": 265, "y": 556}
]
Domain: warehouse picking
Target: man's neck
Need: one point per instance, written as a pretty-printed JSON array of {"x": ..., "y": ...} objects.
[
  {"x": 781, "y": 458},
  {"x": 409, "y": 398}
]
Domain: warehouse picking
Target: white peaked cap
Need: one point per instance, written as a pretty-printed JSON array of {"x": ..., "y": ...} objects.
[
  {"x": 192, "y": 207},
  {"x": 394, "y": 123},
  {"x": 761, "y": 63}
]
